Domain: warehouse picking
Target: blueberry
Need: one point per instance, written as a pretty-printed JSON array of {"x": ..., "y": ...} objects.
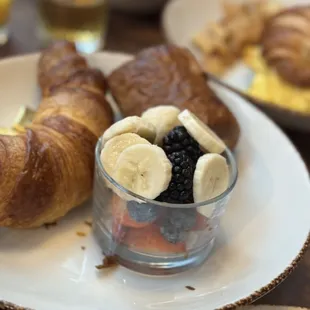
[
  {"x": 142, "y": 212},
  {"x": 172, "y": 234},
  {"x": 181, "y": 218}
]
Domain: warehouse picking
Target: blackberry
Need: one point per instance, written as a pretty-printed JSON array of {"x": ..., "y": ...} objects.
[
  {"x": 142, "y": 212},
  {"x": 180, "y": 189},
  {"x": 178, "y": 139}
]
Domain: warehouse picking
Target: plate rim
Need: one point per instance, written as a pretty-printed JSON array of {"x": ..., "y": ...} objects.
[
  {"x": 279, "y": 307},
  {"x": 271, "y": 285},
  {"x": 9, "y": 305}
]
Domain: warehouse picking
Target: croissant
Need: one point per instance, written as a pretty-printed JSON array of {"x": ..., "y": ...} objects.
[
  {"x": 286, "y": 45},
  {"x": 48, "y": 170}
]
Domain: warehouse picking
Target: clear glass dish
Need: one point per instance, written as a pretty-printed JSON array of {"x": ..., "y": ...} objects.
[{"x": 136, "y": 242}]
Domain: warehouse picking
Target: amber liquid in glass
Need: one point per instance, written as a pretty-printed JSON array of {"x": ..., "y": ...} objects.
[
  {"x": 5, "y": 6},
  {"x": 81, "y": 21}
]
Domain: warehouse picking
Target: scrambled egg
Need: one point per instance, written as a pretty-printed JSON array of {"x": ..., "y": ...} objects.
[{"x": 269, "y": 86}]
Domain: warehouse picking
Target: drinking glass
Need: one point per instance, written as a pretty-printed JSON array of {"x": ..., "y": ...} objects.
[
  {"x": 81, "y": 21},
  {"x": 138, "y": 243},
  {"x": 5, "y": 6}
]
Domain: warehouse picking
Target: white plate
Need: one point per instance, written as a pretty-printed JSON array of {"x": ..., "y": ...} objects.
[
  {"x": 262, "y": 235},
  {"x": 182, "y": 19}
]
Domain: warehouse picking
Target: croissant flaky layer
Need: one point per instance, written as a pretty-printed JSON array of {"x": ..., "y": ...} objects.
[
  {"x": 286, "y": 45},
  {"x": 47, "y": 171}
]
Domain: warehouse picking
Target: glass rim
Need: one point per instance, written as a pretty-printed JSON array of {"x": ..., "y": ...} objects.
[{"x": 233, "y": 180}]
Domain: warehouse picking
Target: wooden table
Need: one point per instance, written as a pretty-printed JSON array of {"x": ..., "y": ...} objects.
[{"x": 129, "y": 34}]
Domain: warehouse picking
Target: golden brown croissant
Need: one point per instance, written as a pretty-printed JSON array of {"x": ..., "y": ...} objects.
[
  {"x": 286, "y": 45},
  {"x": 47, "y": 171}
]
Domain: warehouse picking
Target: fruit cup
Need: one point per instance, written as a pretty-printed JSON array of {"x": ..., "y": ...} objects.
[{"x": 153, "y": 237}]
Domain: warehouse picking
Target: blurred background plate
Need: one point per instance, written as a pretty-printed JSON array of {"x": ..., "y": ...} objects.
[{"x": 182, "y": 19}]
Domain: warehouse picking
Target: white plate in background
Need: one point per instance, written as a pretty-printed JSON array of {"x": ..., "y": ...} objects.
[{"x": 182, "y": 19}]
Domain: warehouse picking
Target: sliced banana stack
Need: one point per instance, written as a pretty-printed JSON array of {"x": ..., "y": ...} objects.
[
  {"x": 211, "y": 177},
  {"x": 164, "y": 118},
  {"x": 131, "y": 124},
  {"x": 115, "y": 146},
  {"x": 144, "y": 170},
  {"x": 206, "y": 138}
]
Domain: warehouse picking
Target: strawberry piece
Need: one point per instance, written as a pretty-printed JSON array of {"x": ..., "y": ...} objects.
[
  {"x": 201, "y": 222},
  {"x": 120, "y": 213},
  {"x": 149, "y": 239}
]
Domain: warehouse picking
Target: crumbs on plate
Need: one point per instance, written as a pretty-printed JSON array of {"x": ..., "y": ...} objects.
[
  {"x": 88, "y": 223},
  {"x": 81, "y": 234},
  {"x": 190, "y": 288},
  {"x": 108, "y": 261}
]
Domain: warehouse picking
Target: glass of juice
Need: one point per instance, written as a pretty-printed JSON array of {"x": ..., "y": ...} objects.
[
  {"x": 5, "y": 6},
  {"x": 83, "y": 22}
]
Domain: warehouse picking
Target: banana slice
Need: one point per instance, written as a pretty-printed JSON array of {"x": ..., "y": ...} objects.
[
  {"x": 115, "y": 146},
  {"x": 211, "y": 177},
  {"x": 207, "y": 139},
  {"x": 164, "y": 118},
  {"x": 144, "y": 170},
  {"x": 131, "y": 124}
]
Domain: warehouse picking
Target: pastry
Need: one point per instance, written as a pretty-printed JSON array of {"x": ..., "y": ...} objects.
[
  {"x": 270, "y": 87},
  {"x": 223, "y": 41},
  {"x": 169, "y": 75},
  {"x": 48, "y": 170},
  {"x": 286, "y": 45},
  {"x": 60, "y": 64}
]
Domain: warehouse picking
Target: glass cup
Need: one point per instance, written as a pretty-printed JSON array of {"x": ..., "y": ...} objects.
[
  {"x": 81, "y": 21},
  {"x": 130, "y": 228},
  {"x": 5, "y": 6}
]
